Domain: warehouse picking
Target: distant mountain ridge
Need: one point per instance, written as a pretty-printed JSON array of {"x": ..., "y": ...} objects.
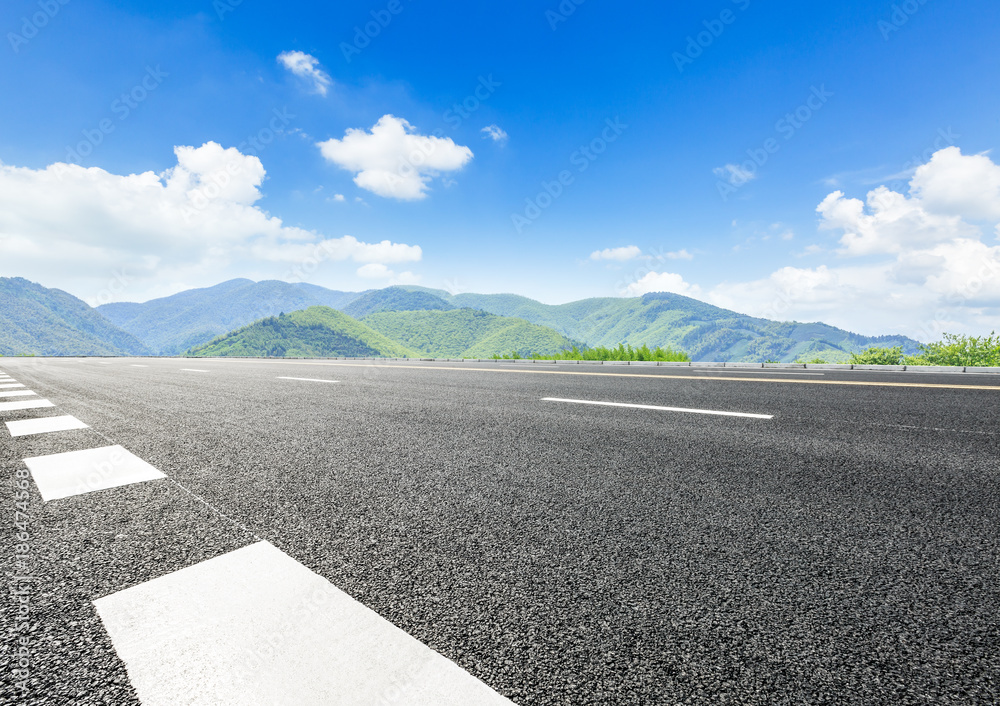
[
  {"x": 704, "y": 331},
  {"x": 172, "y": 325},
  {"x": 426, "y": 321},
  {"x": 36, "y": 320}
]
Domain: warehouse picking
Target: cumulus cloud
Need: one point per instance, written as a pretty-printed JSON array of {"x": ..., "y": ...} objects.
[
  {"x": 959, "y": 185},
  {"x": 681, "y": 254},
  {"x": 306, "y": 66},
  {"x": 734, "y": 174},
  {"x": 923, "y": 265},
  {"x": 495, "y": 133},
  {"x": 620, "y": 254},
  {"x": 191, "y": 221},
  {"x": 393, "y": 160},
  {"x": 379, "y": 271},
  {"x": 662, "y": 282}
]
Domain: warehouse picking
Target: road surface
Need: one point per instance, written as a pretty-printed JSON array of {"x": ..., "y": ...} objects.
[{"x": 484, "y": 529}]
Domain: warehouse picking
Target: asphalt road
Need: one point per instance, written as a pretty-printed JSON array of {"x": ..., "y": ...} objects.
[{"x": 842, "y": 551}]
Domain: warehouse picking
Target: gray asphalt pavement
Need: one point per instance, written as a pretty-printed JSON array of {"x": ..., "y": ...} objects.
[{"x": 842, "y": 551}]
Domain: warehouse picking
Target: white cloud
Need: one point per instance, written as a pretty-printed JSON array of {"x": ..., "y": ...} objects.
[
  {"x": 620, "y": 254},
  {"x": 190, "y": 223},
  {"x": 338, "y": 198},
  {"x": 393, "y": 160},
  {"x": 662, "y": 282},
  {"x": 887, "y": 222},
  {"x": 374, "y": 271},
  {"x": 306, "y": 66},
  {"x": 926, "y": 269},
  {"x": 495, "y": 133},
  {"x": 734, "y": 174},
  {"x": 380, "y": 271},
  {"x": 681, "y": 254},
  {"x": 959, "y": 185}
]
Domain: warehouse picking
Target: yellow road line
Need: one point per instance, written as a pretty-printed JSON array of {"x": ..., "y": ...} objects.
[{"x": 792, "y": 381}]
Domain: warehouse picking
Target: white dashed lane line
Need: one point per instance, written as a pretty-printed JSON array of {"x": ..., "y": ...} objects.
[
  {"x": 193, "y": 370},
  {"x": 24, "y": 404},
  {"x": 44, "y": 425},
  {"x": 208, "y": 633},
  {"x": 662, "y": 409},
  {"x": 256, "y": 626},
  {"x": 307, "y": 379},
  {"x": 77, "y": 472},
  {"x": 16, "y": 393},
  {"x": 137, "y": 365}
]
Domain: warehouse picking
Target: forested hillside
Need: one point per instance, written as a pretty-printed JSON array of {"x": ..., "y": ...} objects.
[
  {"x": 466, "y": 333},
  {"x": 35, "y": 320},
  {"x": 317, "y": 331}
]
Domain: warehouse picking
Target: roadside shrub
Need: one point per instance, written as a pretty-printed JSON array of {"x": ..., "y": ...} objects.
[
  {"x": 879, "y": 356},
  {"x": 955, "y": 349}
]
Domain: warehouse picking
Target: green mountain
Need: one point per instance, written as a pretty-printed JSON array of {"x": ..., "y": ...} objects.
[
  {"x": 396, "y": 299},
  {"x": 318, "y": 331},
  {"x": 35, "y": 320},
  {"x": 705, "y": 332},
  {"x": 174, "y": 324},
  {"x": 466, "y": 333}
]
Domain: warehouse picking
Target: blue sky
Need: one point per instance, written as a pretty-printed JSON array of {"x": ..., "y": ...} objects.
[{"x": 627, "y": 148}]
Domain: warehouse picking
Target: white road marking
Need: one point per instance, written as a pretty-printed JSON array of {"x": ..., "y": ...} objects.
[
  {"x": 193, "y": 370},
  {"x": 15, "y": 393},
  {"x": 9, "y": 385},
  {"x": 254, "y": 626},
  {"x": 43, "y": 425},
  {"x": 104, "y": 362},
  {"x": 307, "y": 379},
  {"x": 137, "y": 365},
  {"x": 78, "y": 472},
  {"x": 663, "y": 409},
  {"x": 24, "y": 404}
]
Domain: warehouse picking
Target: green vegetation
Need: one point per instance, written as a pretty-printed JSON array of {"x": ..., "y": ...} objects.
[
  {"x": 35, "y": 320},
  {"x": 953, "y": 349},
  {"x": 956, "y": 349},
  {"x": 622, "y": 351},
  {"x": 318, "y": 331},
  {"x": 395, "y": 299},
  {"x": 465, "y": 333},
  {"x": 879, "y": 356},
  {"x": 174, "y": 324},
  {"x": 704, "y": 331}
]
